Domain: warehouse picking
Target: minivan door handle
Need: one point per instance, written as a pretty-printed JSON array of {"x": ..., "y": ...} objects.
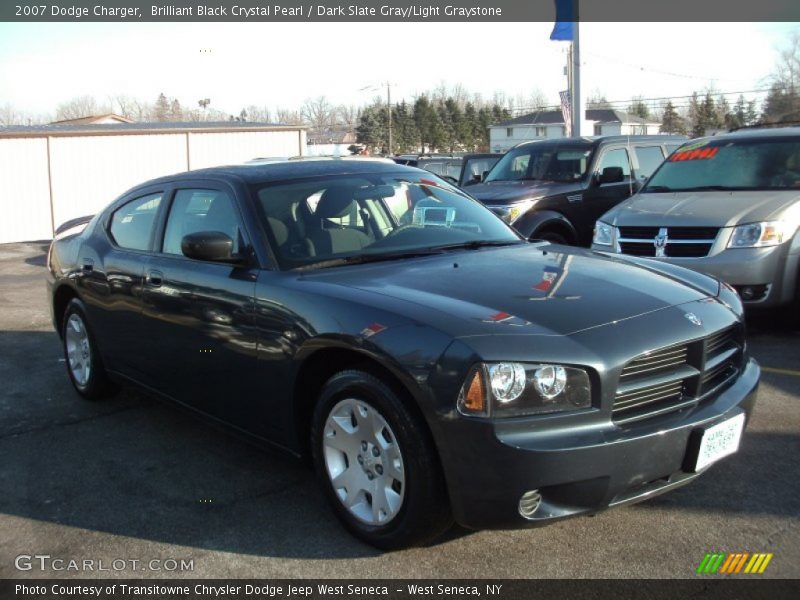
[
  {"x": 87, "y": 265},
  {"x": 155, "y": 278}
]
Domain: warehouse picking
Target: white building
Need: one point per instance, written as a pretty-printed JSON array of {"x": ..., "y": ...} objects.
[
  {"x": 550, "y": 124},
  {"x": 53, "y": 173}
]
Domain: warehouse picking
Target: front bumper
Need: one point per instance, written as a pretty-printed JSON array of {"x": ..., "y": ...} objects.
[
  {"x": 578, "y": 471},
  {"x": 775, "y": 268}
]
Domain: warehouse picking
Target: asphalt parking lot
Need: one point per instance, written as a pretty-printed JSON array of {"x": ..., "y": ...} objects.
[{"x": 135, "y": 479}]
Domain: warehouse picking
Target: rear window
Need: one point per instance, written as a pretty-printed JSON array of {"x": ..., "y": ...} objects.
[
  {"x": 132, "y": 224},
  {"x": 730, "y": 165}
]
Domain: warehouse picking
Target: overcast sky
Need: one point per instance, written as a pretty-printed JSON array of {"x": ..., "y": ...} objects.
[{"x": 284, "y": 64}]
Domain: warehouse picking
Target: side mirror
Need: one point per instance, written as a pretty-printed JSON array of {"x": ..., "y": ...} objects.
[
  {"x": 208, "y": 245},
  {"x": 611, "y": 175}
]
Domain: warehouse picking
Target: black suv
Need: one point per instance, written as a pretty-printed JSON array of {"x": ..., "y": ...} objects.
[{"x": 556, "y": 189}]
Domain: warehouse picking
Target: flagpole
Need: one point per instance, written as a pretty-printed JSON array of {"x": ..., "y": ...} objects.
[{"x": 575, "y": 71}]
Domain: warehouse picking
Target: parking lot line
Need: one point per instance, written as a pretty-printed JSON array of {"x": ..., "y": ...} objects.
[{"x": 790, "y": 372}]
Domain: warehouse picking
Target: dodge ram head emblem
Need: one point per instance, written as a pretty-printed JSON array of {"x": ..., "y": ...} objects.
[
  {"x": 660, "y": 242},
  {"x": 694, "y": 319}
]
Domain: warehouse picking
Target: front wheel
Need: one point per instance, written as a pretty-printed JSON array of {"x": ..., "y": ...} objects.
[
  {"x": 551, "y": 236},
  {"x": 377, "y": 463}
]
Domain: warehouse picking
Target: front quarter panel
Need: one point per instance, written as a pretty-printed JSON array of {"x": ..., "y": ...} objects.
[{"x": 296, "y": 319}]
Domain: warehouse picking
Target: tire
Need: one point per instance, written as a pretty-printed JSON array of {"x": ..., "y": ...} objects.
[
  {"x": 551, "y": 236},
  {"x": 84, "y": 364},
  {"x": 398, "y": 496}
]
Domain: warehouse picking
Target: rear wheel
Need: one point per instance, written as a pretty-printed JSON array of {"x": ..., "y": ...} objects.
[
  {"x": 84, "y": 365},
  {"x": 376, "y": 463}
]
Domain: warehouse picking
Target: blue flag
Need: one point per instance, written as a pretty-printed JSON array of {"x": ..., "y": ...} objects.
[{"x": 566, "y": 15}]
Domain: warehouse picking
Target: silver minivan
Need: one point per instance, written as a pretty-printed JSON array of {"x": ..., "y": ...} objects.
[{"x": 728, "y": 206}]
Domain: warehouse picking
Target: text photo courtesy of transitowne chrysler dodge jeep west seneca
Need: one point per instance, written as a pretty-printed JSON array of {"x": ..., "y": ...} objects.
[{"x": 434, "y": 364}]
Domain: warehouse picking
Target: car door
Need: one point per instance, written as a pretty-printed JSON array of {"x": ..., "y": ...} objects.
[
  {"x": 601, "y": 197},
  {"x": 198, "y": 315},
  {"x": 112, "y": 264}
]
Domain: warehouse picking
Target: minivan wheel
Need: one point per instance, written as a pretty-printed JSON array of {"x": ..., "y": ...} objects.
[
  {"x": 551, "y": 236},
  {"x": 376, "y": 463},
  {"x": 84, "y": 365}
]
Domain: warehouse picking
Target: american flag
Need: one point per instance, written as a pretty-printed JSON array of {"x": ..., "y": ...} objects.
[{"x": 566, "y": 111}]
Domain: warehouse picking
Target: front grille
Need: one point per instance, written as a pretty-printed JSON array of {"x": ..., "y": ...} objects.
[
  {"x": 635, "y": 249},
  {"x": 653, "y": 363},
  {"x": 651, "y": 396},
  {"x": 680, "y": 242},
  {"x": 677, "y": 376},
  {"x": 720, "y": 341}
]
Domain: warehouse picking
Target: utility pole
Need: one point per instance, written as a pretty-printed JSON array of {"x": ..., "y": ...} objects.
[{"x": 389, "y": 106}]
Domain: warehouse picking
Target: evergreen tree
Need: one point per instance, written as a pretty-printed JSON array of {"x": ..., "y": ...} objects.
[
  {"x": 638, "y": 108},
  {"x": 161, "y": 110},
  {"x": 671, "y": 121},
  {"x": 468, "y": 127},
  {"x": 175, "y": 111}
]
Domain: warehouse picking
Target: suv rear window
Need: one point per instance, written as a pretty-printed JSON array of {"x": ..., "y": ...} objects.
[{"x": 744, "y": 164}]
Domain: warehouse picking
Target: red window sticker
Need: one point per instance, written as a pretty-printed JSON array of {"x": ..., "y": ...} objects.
[{"x": 697, "y": 154}]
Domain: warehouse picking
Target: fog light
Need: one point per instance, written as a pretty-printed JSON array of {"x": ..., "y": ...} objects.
[{"x": 529, "y": 502}]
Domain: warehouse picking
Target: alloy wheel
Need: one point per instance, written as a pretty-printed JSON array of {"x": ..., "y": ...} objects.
[{"x": 364, "y": 462}]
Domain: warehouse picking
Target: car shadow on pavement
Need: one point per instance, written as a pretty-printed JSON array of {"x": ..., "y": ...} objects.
[
  {"x": 136, "y": 467},
  {"x": 40, "y": 259},
  {"x": 761, "y": 478}
]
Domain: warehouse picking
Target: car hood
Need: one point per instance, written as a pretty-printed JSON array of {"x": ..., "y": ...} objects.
[
  {"x": 509, "y": 191},
  {"x": 538, "y": 289},
  {"x": 707, "y": 209}
]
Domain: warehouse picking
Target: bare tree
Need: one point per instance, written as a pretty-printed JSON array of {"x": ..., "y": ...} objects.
[
  {"x": 258, "y": 114},
  {"x": 79, "y": 107},
  {"x": 10, "y": 116},
  {"x": 286, "y": 116},
  {"x": 347, "y": 116},
  {"x": 318, "y": 113}
]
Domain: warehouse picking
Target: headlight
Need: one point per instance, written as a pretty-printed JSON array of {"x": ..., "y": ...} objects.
[
  {"x": 511, "y": 212},
  {"x": 510, "y": 389},
  {"x": 603, "y": 234},
  {"x": 759, "y": 235}
]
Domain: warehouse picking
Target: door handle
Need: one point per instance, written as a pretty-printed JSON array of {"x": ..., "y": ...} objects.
[
  {"x": 155, "y": 278},
  {"x": 87, "y": 265}
]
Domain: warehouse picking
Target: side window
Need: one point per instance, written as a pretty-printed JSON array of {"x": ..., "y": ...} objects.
[
  {"x": 132, "y": 224},
  {"x": 616, "y": 158},
  {"x": 200, "y": 210},
  {"x": 649, "y": 158}
]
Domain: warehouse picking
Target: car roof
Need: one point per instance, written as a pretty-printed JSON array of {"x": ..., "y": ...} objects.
[
  {"x": 597, "y": 140},
  {"x": 759, "y": 133},
  {"x": 287, "y": 170}
]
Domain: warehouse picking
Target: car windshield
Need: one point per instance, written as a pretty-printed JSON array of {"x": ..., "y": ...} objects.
[
  {"x": 730, "y": 165},
  {"x": 543, "y": 162},
  {"x": 359, "y": 218}
]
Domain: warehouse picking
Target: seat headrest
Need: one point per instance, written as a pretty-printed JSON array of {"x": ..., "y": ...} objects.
[
  {"x": 279, "y": 230},
  {"x": 336, "y": 201}
]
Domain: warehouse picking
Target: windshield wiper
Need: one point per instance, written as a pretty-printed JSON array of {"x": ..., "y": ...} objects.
[
  {"x": 475, "y": 244},
  {"x": 658, "y": 188},
  {"x": 359, "y": 259},
  {"x": 711, "y": 188}
]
